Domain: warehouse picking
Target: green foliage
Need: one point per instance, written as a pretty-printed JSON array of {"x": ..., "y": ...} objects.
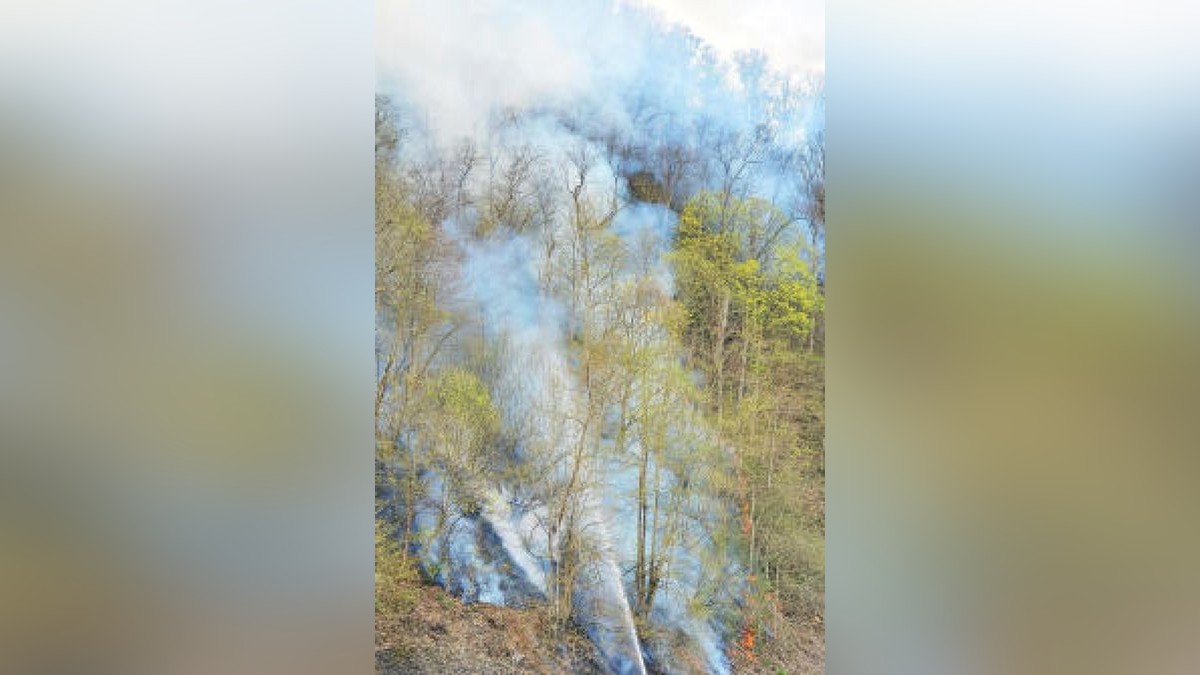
[
  {"x": 740, "y": 282},
  {"x": 460, "y": 425},
  {"x": 396, "y": 578},
  {"x": 463, "y": 397},
  {"x": 791, "y": 298},
  {"x": 727, "y": 441},
  {"x": 751, "y": 306}
]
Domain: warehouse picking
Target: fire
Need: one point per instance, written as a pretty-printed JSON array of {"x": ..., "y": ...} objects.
[{"x": 746, "y": 643}]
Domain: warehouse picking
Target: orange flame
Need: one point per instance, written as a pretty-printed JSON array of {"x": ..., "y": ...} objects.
[{"x": 746, "y": 643}]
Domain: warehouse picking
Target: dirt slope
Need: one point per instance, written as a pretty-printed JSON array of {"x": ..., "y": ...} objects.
[{"x": 440, "y": 634}]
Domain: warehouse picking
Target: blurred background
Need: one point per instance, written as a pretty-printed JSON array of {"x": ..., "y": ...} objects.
[
  {"x": 1013, "y": 477},
  {"x": 186, "y": 337},
  {"x": 186, "y": 341}
]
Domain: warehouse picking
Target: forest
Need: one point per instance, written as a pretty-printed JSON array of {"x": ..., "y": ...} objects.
[{"x": 600, "y": 363}]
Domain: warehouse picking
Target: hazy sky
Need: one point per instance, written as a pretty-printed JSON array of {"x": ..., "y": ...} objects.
[
  {"x": 790, "y": 32},
  {"x": 458, "y": 60}
]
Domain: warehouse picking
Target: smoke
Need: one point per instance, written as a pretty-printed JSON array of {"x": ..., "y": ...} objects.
[
  {"x": 502, "y": 285},
  {"x": 501, "y": 280},
  {"x": 526, "y": 97},
  {"x": 791, "y": 33},
  {"x": 460, "y": 63}
]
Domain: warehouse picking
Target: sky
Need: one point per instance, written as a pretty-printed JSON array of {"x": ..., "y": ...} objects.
[{"x": 790, "y": 32}]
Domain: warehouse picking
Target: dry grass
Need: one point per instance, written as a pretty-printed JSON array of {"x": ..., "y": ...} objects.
[
  {"x": 795, "y": 647},
  {"x": 440, "y": 634},
  {"x": 421, "y": 628}
]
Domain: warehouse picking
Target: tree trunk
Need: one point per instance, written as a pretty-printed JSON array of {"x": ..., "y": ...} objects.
[
  {"x": 719, "y": 352},
  {"x": 640, "y": 573},
  {"x": 651, "y": 584}
]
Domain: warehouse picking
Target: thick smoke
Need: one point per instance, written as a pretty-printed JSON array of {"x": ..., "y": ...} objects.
[
  {"x": 501, "y": 282},
  {"x": 790, "y": 32},
  {"x": 520, "y": 100},
  {"x": 458, "y": 63}
]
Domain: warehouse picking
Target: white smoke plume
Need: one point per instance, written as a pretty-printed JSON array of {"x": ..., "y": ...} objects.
[{"x": 549, "y": 81}]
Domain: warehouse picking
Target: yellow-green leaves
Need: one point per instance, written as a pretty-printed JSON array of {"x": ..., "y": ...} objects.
[{"x": 464, "y": 400}]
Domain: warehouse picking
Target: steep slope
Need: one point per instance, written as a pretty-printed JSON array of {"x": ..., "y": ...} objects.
[{"x": 432, "y": 632}]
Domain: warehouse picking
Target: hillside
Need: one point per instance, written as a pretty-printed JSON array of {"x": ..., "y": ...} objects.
[
  {"x": 600, "y": 363},
  {"x": 422, "y": 629}
]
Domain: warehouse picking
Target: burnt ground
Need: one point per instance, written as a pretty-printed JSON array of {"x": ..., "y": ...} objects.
[{"x": 440, "y": 634}]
